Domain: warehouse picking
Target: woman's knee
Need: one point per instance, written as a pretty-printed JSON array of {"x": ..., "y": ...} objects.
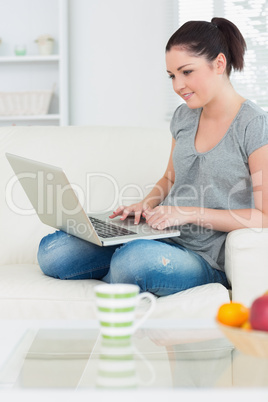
[
  {"x": 67, "y": 257},
  {"x": 50, "y": 252},
  {"x": 129, "y": 262}
]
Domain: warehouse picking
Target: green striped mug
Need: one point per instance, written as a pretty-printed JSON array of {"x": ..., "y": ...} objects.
[{"x": 116, "y": 309}]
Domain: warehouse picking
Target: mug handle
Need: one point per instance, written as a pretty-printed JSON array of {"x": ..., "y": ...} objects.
[{"x": 140, "y": 296}]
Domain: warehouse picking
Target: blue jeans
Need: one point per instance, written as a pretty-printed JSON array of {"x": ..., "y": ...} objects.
[{"x": 160, "y": 267}]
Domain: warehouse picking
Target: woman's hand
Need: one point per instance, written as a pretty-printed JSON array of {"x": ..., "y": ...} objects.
[
  {"x": 135, "y": 209},
  {"x": 163, "y": 217}
]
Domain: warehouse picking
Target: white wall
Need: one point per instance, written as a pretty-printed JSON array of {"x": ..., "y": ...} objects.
[
  {"x": 117, "y": 66},
  {"x": 117, "y": 62}
]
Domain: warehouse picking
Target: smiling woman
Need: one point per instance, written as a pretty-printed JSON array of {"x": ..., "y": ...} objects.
[
  {"x": 216, "y": 178},
  {"x": 195, "y": 79}
]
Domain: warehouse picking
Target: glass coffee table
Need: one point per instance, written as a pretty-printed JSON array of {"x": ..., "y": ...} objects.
[{"x": 162, "y": 357}]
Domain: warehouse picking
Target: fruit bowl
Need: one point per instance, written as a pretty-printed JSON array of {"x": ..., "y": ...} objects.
[{"x": 251, "y": 342}]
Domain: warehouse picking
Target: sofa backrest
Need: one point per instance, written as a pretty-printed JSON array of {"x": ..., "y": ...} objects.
[{"x": 108, "y": 166}]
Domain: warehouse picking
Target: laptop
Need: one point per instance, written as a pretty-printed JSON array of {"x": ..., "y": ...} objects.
[{"x": 57, "y": 205}]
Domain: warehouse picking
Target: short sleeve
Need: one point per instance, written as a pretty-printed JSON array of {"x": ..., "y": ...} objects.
[
  {"x": 174, "y": 122},
  {"x": 183, "y": 118},
  {"x": 256, "y": 134}
]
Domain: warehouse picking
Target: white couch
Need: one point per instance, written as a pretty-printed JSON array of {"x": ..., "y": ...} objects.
[{"x": 115, "y": 166}]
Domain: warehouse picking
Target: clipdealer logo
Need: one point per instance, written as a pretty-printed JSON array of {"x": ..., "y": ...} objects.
[{"x": 50, "y": 195}]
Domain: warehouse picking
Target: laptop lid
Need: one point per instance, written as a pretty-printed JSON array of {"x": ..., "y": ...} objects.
[{"x": 58, "y": 206}]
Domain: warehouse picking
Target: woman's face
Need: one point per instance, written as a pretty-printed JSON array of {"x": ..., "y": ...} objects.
[{"x": 194, "y": 79}]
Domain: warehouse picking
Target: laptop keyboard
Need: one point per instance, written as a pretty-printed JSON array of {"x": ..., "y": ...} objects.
[{"x": 106, "y": 229}]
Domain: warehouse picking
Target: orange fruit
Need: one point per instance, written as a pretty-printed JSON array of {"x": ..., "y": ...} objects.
[{"x": 233, "y": 314}]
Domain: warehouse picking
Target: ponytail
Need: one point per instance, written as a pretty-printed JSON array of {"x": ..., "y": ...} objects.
[{"x": 208, "y": 39}]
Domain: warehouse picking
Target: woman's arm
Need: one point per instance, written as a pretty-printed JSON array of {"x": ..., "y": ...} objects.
[
  {"x": 156, "y": 195},
  {"x": 223, "y": 220},
  {"x": 163, "y": 186}
]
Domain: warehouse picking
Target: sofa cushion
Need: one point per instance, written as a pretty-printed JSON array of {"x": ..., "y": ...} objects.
[
  {"x": 246, "y": 263},
  {"x": 26, "y": 293}
]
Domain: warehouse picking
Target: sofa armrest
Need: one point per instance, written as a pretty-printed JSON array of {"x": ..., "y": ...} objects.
[{"x": 246, "y": 263}]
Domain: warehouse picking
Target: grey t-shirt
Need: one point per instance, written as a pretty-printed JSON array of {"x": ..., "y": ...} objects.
[{"x": 218, "y": 178}]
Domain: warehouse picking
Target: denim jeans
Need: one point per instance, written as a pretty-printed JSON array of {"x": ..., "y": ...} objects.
[{"x": 160, "y": 267}]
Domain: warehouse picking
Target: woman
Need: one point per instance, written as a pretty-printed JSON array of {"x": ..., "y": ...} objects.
[{"x": 216, "y": 180}]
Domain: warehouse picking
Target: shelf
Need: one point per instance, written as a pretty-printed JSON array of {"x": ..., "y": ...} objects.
[
  {"x": 30, "y": 117},
  {"x": 29, "y": 59},
  {"x": 35, "y": 71}
]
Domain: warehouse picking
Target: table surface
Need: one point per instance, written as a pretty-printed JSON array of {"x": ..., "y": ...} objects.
[{"x": 163, "y": 354}]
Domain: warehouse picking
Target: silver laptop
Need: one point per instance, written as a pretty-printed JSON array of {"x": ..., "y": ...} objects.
[{"x": 57, "y": 205}]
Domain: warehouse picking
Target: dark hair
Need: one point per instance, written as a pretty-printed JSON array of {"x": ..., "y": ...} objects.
[{"x": 208, "y": 39}]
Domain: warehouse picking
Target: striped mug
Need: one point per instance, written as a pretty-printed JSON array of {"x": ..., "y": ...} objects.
[{"x": 116, "y": 304}]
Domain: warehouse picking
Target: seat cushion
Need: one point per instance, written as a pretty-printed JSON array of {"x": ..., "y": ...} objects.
[{"x": 26, "y": 293}]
